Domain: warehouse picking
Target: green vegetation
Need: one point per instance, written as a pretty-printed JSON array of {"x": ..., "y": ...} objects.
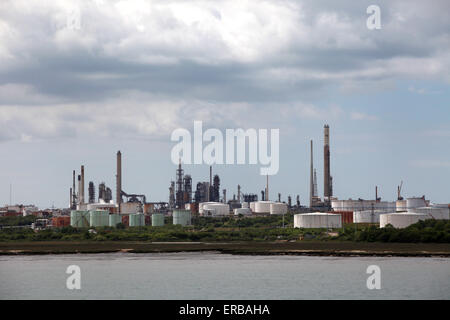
[
  {"x": 437, "y": 231},
  {"x": 229, "y": 229},
  {"x": 17, "y": 220}
]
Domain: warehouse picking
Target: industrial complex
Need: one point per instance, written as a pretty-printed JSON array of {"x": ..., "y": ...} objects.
[{"x": 208, "y": 200}]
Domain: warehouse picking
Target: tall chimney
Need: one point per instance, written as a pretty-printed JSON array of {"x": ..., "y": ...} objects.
[
  {"x": 326, "y": 163},
  {"x": 73, "y": 204},
  {"x": 267, "y": 188},
  {"x": 79, "y": 189},
  {"x": 210, "y": 184},
  {"x": 239, "y": 193},
  {"x": 311, "y": 180},
  {"x": 82, "y": 186},
  {"x": 71, "y": 199},
  {"x": 119, "y": 180}
]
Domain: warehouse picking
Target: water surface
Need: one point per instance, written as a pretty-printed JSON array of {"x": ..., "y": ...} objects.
[{"x": 221, "y": 276}]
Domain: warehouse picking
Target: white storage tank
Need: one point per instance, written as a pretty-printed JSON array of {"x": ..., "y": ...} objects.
[
  {"x": 99, "y": 218},
  {"x": 136, "y": 220},
  {"x": 317, "y": 220},
  {"x": 412, "y": 203},
  {"x": 202, "y": 204},
  {"x": 243, "y": 211},
  {"x": 368, "y": 216},
  {"x": 401, "y": 220},
  {"x": 114, "y": 220},
  {"x": 262, "y": 206},
  {"x": 216, "y": 209},
  {"x": 157, "y": 220},
  {"x": 433, "y": 212},
  {"x": 360, "y": 205},
  {"x": 252, "y": 206},
  {"x": 182, "y": 217},
  {"x": 245, "y": 205},
  {"x": 278, "y": 208},
  {"x": 401, "y": 205},
  {"x": 441, "y": 205}
]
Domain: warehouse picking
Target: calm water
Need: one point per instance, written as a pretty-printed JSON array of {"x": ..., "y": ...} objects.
[{"x": 219, "y": 276}]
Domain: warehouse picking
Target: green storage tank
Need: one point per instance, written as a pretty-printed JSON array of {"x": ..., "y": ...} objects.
[
  {"x": 157, "y": 220},
  {"x": 182, "y": 217},
  {"x": 136, "y": 220},
  {"x": 79, "y": 218},
  {"x": 114, "y": 219},
  {"x": 99, "y": 218}
]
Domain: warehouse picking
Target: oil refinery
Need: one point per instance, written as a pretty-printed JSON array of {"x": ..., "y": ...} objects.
[{"x": 184, "y": 202}]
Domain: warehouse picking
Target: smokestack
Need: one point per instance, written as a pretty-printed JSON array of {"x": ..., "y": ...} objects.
[
  {"x": 224, "y": 195},
  {"x": 311, "y": 180},
  {"x": 82, "y": 186},
  {"x": 239, "y": 193},
  {"x": 71, "y": 199},
  {"x": 79, "y": 188},
  {"x": 267, "y": 188},
  {"x": 119, "y": 180},
  {"x": 210, "y": 175},
  {"x": 73, "y": 204},
  {"x": 326, "y": 163}
]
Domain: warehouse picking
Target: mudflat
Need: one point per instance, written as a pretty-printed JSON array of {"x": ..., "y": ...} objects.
[{"x": 317, "y": 248}]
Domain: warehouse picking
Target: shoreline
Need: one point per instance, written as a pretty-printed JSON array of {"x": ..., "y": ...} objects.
[{"x": 302, "y": 248}]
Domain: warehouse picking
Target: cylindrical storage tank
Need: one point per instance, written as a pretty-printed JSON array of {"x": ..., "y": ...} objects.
[
  {"x": 182, "y": 217},
  {"x": 202, "y": 204},
  {"x": 368, "y": 216},
  {"x": 400, "y": 205},
  {"x": 157, "y": 220},
  {"x": 317, "y": 220},
  {"x": 401, "y": 220},
  {"x": 136, "y": 220},
  {"x": 433, "y": 212},
  {"x": 278, "y": 208},
  {"x": 243, "y": 211},
  {"x": 412, "y": 203},
  {"x": 245, "y": 205},
  {"x": 99, "y": 218},
  {"x": 252, "y": 206},
  {"x": 216, "y": 209},
  {"x": 114, "y": 220},
  {"x": 262, "y": 206},
  {"x": 79, "y": 218}
]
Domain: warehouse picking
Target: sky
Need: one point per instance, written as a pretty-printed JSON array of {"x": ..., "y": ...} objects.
[{"x": 80, "y": 80}]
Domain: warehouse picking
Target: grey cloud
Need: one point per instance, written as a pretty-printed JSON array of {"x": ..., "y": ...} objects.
[{"x": 251, "y": 56}]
